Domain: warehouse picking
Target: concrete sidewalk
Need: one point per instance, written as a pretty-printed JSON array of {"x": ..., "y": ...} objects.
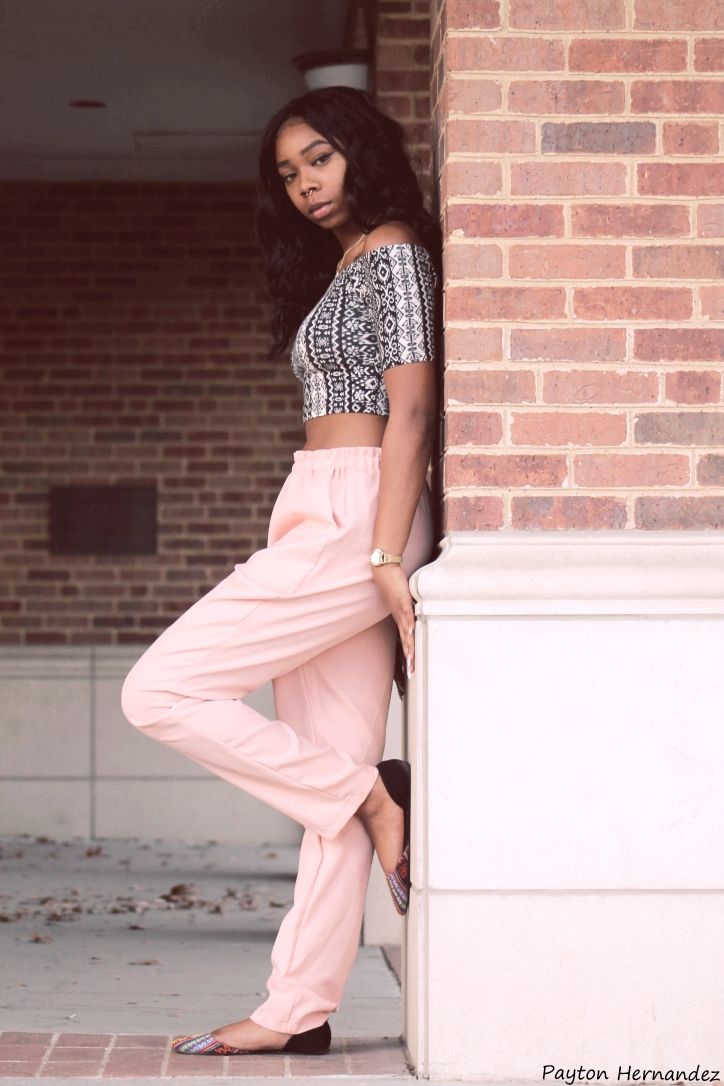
[{"x": 110, "y": 948}]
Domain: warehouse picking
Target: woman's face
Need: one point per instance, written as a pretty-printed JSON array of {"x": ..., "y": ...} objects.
[{"x": 312, "y": 172}]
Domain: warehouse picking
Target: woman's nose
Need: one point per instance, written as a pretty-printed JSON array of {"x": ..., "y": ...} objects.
[{"x": 306, "y": 183}]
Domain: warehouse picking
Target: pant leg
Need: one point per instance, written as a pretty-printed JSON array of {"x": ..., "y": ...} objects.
[{"x": 318, "y": 939}]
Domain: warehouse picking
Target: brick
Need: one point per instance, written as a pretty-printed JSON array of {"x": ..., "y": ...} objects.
[
  {"x": 93, "y": 1054},
  {"x": 504, "y": 303},
  {"x": 710, "y": 220},
  {"x": 504, "y": 469},
  {"x": 473, "y": 95},
  {"x": 568, "y": 178},
  {"x": 473, "y": 428},
  {"x": 625, "y": 55},
  {"x": 398, "y": 106},
  {"x": 709, "y": 55},
  {"x": 567, "y": 512},
  {"x": 475, "y": 513},
  {"x": 678, "y": 512},
  {"x": 599, "y": 386},
  {"x": 679, "y": 15},
  {"x": 692, "y": 386},
  {"x": 691, "y": 139},
  {"x": 566, "y": 96},
  {"x": 613, "y": 470},
  {"x": 473, "y": 261},
  {"x": 680, "y": 179},
  {"x": 473, "y": 14},
  {"x": 485, "y": 386},
  {"x": 501, "y": 53},
  {"x": 586, "y": 15},
  {"x": 138, "y": 1040},
  {"x": 632, "y": 303},
  {"x": 677, "y": 96},
  {"x": 567, "y": 344},
  {"x": 633, "y": 220},
  {"x": 473, "y": 344},
  {"x": 401, "y": 80},
  {"x": 568, "y": 428},
  {"x": 395, "y": 54},
  {"x": 399, "y": 27},
  {"x": 485, "y": 137},
  {"x": 679, "y": 261},
  {"x": 679, "y": 344},
  {"x": 69, "y": 1069},
  {"x": 471, "y": 179},
  {"x": 25, "y": 1052},
  {"x": 710, "y": 469},
  {"x": 712, "y": 302},
  {"x": 12, "y": 1036},
  {"x": 506, "y": 220},
  {"x": 567, "y": 261},
  {"x": 679, "y": 428},
  {"x": 603, "y": 137}
]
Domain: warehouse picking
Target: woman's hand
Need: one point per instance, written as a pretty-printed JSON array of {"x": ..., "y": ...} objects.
[{"x": 393, "y": 584}]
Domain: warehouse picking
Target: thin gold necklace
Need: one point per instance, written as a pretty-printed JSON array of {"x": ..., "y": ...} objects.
[{"x": 359, "y": 239}]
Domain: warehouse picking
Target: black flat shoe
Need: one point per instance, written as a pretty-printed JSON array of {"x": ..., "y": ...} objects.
[
  {"x": 396, "y": 777},
  {"x": 312, "y": 1042}
]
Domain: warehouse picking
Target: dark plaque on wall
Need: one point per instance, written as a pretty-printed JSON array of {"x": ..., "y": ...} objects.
[{"x": 102, "y": 519}]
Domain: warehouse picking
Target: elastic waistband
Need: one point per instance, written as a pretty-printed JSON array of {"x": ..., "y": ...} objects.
[{"x": 340, "y": 454}]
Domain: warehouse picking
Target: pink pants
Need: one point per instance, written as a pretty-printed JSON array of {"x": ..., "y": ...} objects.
[{"x": 306, "y": 613}]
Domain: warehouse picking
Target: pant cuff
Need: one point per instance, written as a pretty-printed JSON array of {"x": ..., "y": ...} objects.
[{"x": 281, "y": 1011}]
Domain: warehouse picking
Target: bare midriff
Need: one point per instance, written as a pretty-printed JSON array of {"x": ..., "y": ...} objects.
[{"x": 344, "y": 428}]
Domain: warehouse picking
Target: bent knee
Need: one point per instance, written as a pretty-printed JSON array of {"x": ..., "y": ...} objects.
[{"x": 139, "y": 701}]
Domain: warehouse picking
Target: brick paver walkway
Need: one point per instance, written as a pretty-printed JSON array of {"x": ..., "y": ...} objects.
[{"x": 127, "y": 1055}]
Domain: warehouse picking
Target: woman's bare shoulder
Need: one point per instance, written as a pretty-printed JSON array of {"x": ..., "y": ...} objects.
[{"x": 391, "y": 233}]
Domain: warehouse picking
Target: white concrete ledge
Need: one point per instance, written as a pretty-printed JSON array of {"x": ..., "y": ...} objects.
[{"x": 575, "y": 573}]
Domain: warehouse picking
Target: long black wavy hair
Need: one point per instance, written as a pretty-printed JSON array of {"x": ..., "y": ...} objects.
[{"x": 380, "y": 185}]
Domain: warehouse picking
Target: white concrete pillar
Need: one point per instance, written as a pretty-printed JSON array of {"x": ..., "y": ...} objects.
[{"x": 566, "y": 733}]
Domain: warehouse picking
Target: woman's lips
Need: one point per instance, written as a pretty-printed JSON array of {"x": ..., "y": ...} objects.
[{"x": 321, "y": 211}]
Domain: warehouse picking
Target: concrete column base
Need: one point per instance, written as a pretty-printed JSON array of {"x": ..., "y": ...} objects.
[{"x": 567, "y": 741}]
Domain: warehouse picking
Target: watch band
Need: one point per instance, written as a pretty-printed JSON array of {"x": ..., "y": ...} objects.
[{"x": 378, "y": 557}]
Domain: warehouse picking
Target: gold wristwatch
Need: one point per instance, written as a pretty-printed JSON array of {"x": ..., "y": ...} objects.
[{"x": 378, "y": 557}]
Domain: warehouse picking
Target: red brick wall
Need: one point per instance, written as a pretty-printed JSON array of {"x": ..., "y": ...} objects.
[
  {"x": 579, "y": 152},
  {"x": 402, "y": 86},
  {"x": 402, "y": 77},
  {"x": 134, "y": 324}
]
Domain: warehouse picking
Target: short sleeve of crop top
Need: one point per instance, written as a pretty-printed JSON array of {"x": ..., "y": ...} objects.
[
  {"x": 378, "y": 312},
  {"x": 401, "y": 290}
]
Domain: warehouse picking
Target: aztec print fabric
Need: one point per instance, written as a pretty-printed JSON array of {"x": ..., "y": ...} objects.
[{"x": 378, "y": 312}]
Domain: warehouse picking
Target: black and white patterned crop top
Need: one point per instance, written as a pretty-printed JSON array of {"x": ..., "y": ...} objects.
[{"x": 377, "y": 312}]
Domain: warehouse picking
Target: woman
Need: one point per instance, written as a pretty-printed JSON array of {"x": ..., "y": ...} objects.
[{"x": 314, "y": 611}]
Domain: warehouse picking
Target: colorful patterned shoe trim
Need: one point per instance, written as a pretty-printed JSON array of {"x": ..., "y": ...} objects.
[
  {"x": 205, "y": 1044},
  {"x": 399, "y": 882}
]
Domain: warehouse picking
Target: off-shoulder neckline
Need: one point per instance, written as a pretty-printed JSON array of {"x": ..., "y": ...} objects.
[{"x": 388, "y": 245}]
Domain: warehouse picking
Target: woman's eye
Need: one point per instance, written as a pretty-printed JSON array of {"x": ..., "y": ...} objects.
[{"x": 320, "y": 158}]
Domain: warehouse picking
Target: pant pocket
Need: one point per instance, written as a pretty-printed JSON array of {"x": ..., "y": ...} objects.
[
  {"x": 300, "y": 528},
  {"x": 337, "y": 499}
]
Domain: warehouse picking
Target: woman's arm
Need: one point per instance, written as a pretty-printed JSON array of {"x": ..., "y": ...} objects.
[
  {"x": 401, "y": 288},
  {"x": 406, "y": 447}
]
